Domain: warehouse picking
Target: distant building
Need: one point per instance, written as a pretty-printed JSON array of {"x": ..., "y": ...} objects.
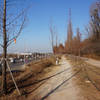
[{"x": 27, "y": 54}]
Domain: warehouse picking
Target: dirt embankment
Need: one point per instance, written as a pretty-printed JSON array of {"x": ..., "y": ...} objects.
[
  {"x": 88, "y": 80},
  {"x": 26, "y": 79}
]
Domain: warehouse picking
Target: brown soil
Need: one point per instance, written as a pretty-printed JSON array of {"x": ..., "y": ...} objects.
[
  {"x": 33, "y": 79},
  {"x": 88, "y": 80},
  {"x": 26, "y": 80},
  {"x": 93, "y": 56}
]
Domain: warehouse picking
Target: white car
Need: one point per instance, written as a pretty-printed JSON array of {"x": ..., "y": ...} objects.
[{"x": 12, "y": 60}]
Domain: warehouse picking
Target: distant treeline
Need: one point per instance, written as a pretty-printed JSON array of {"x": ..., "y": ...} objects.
[{"x": 91, "y": 44}]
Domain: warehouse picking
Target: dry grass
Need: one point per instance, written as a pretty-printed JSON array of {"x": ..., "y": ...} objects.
[
  {"x": 94, "y": 56},
  {"x": 88, "y": 80},
  {"x": 26, "y": 79}
]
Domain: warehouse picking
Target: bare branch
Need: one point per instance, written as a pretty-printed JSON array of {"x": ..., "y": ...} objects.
[
  {"x": 17, "y": 34},
  {"x": 19, "y": 15}
]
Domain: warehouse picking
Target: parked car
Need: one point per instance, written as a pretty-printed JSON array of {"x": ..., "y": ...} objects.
[
  {"x": 22, "y": 60},
  {"x": 12, "y": 60}
]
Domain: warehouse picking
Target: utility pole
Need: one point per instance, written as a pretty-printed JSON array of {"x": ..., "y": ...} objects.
[{"x": 4, "y": 83}]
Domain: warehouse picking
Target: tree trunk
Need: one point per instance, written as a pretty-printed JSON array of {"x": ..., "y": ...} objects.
[{"x": 4, "y": 83}]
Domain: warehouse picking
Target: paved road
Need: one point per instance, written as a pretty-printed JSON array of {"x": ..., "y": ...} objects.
[{"x": 19, "y": 66}]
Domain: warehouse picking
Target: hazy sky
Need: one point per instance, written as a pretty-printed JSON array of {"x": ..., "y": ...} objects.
[{"x": 36, "y": 35}]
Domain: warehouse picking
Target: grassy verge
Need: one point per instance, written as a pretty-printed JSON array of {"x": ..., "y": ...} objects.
[
  {"x": 26, "y": 79},
  {"x": 93, "y": 56},
  {"x": 88, "y": 80}
]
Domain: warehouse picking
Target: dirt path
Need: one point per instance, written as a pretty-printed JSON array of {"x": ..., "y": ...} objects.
[
  {"x": 59, "y": 87},
  {"x": 93, "y": 62}
]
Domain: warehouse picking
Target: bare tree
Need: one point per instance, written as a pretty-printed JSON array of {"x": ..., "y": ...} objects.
[
  {"x": 10, "y": 28},
  {"x": 56, "y": 39},
  {"x": 95, "y": 21},
  {"x": 68, "y": 43},
  {"x": 78, "y": 40},
  {"x": 90, "y": 44},
  {"x": 54, "y": 35}
]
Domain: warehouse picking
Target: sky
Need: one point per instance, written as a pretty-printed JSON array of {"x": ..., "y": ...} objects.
[{"x": 36, "y": 34}]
